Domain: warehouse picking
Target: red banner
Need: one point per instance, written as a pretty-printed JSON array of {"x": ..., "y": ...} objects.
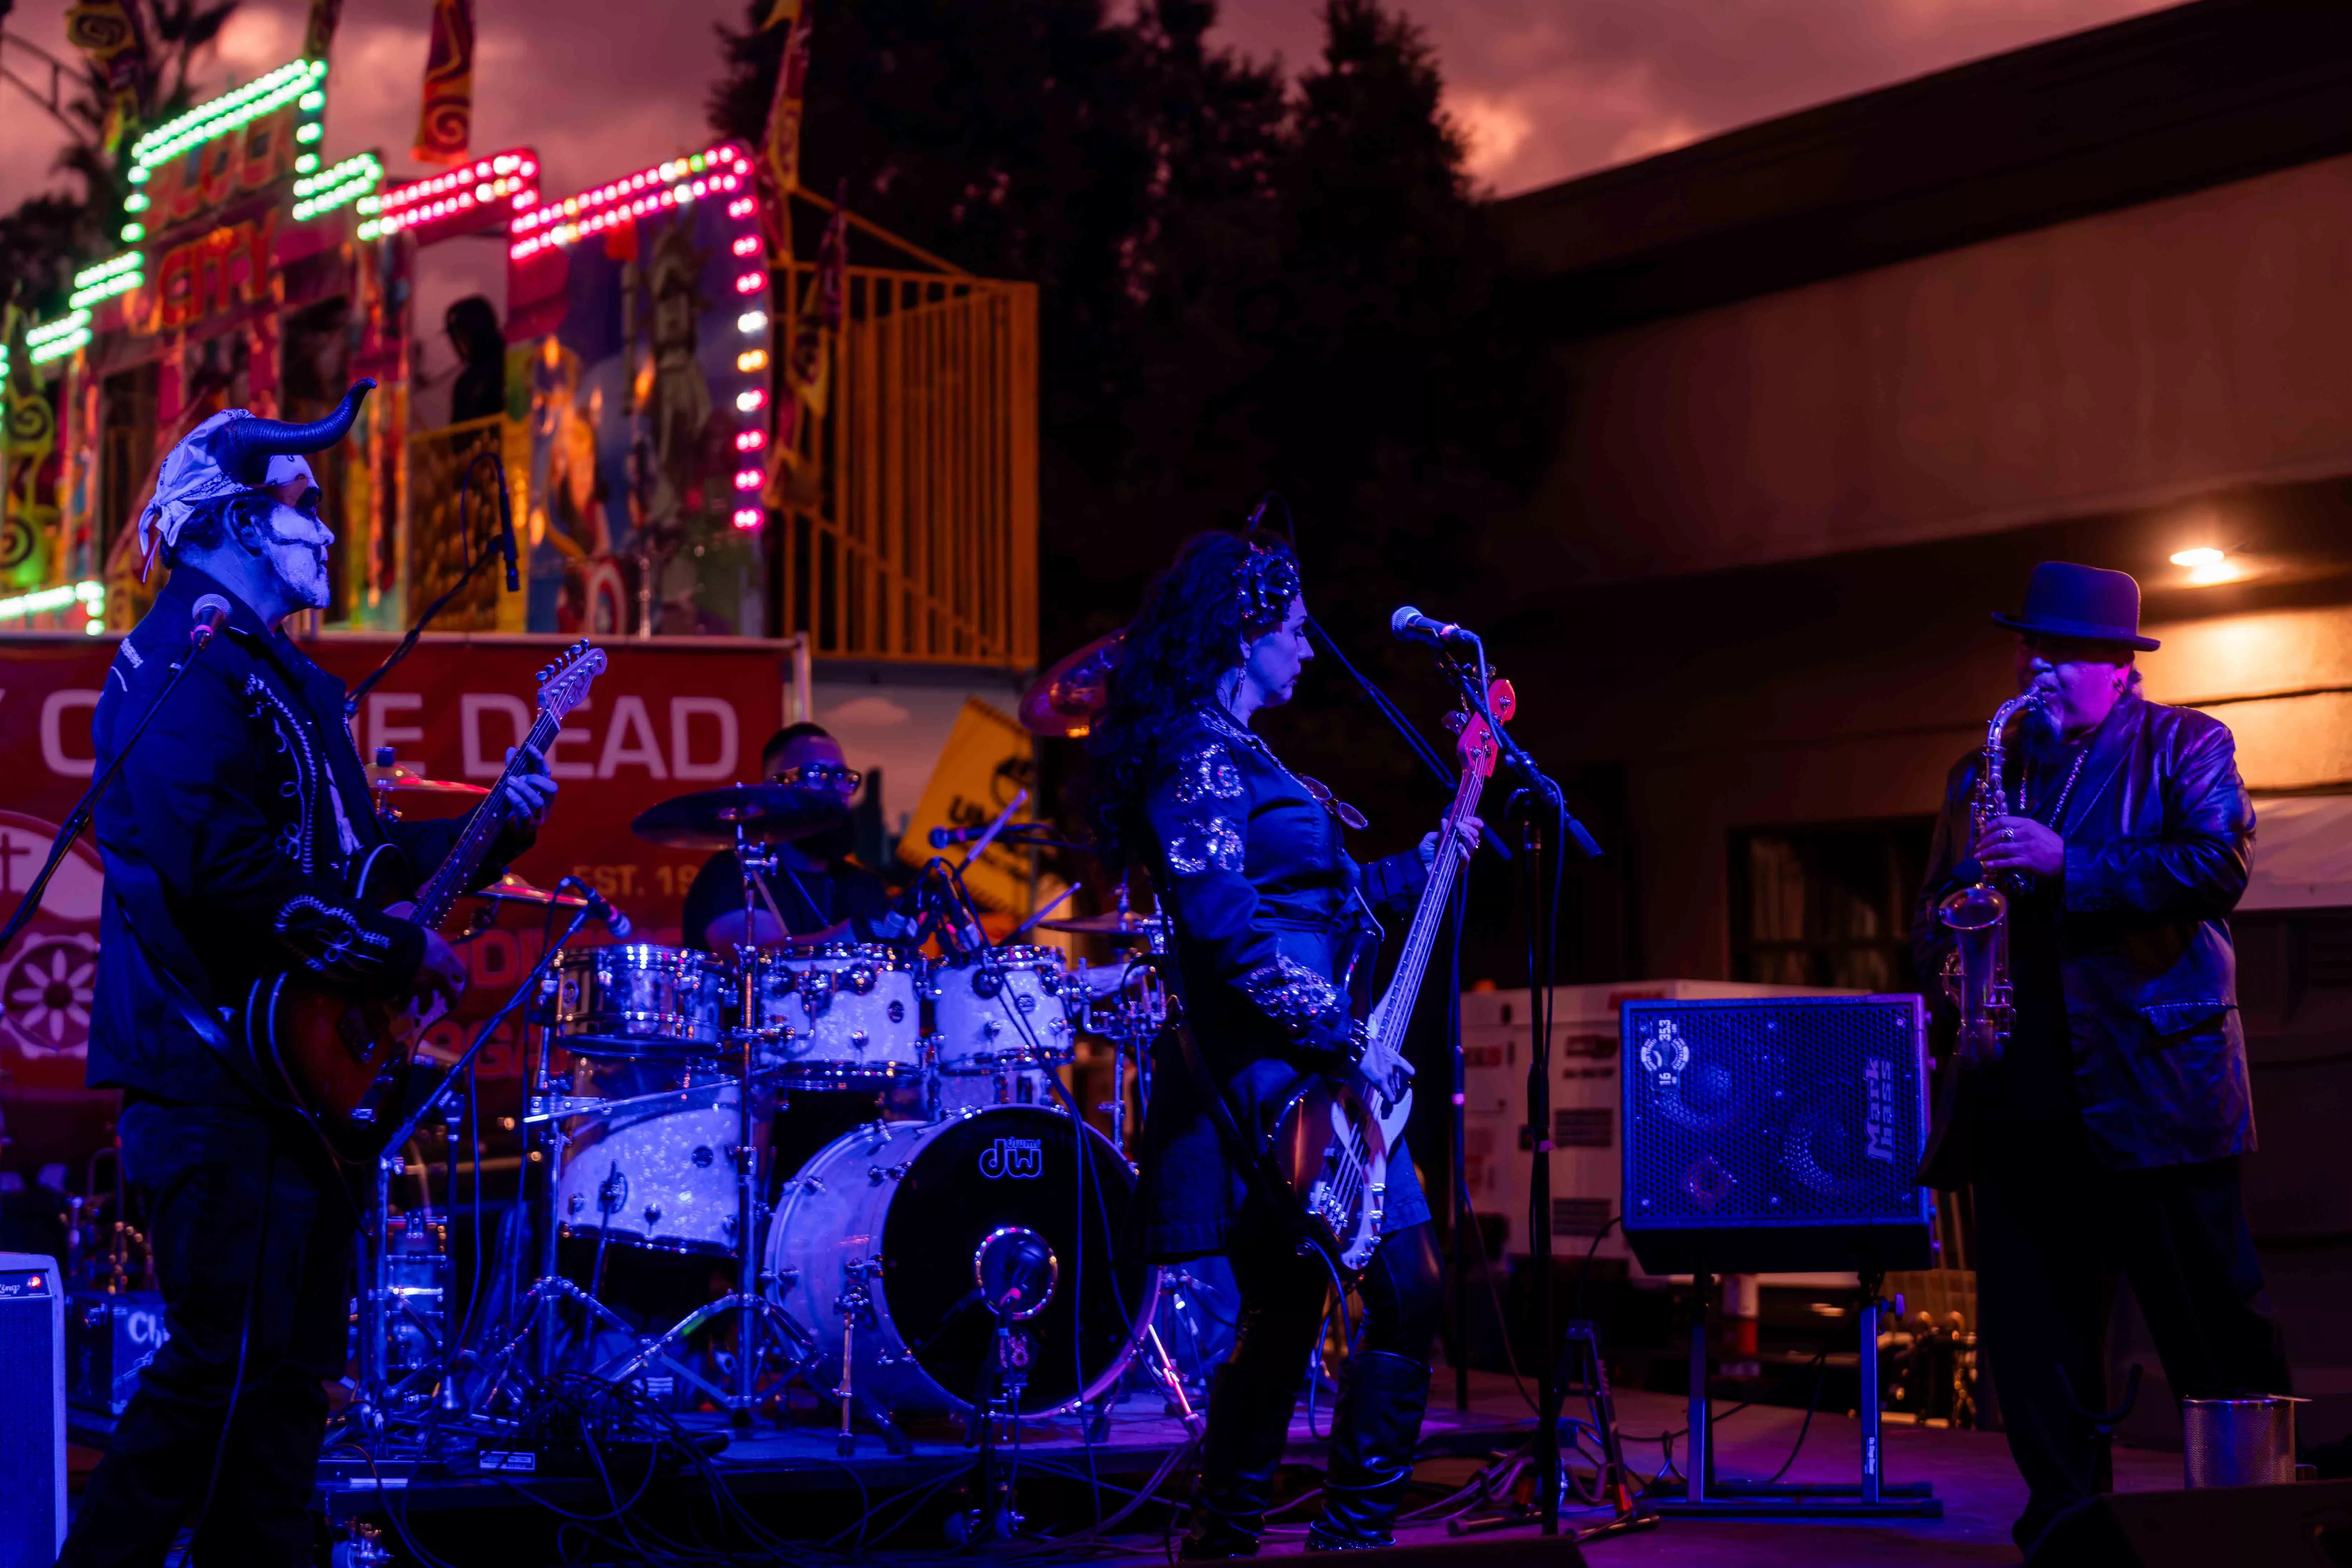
[
  {"x": 662, "y": 720},
  {"x": 445, "y": 120}
]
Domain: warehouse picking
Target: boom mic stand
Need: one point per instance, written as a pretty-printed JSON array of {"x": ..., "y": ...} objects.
[{"x": 1538, "y": 798}]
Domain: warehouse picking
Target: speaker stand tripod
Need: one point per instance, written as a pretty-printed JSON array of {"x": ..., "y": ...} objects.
[{"x": 1703, "y": 1495}]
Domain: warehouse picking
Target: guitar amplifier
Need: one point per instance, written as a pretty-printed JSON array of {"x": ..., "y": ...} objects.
[
  {"x": 109, "y": 1340},
  {"x": 32, "y": 1410},
  {"x": 1775, "y": 1134}
]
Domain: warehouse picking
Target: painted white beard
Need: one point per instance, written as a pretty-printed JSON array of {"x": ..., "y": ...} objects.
[{"x": 297, "y": 562}]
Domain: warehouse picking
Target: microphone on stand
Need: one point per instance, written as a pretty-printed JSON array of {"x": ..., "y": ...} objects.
[
  {"x": 211, "y": 614},
  {"x": 1410, "y": 624},
  {"x": 611, "y": 918},
  {"x": 506, "y": 527}
]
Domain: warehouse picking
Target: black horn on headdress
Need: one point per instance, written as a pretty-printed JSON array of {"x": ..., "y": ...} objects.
[{"x": 243, "y": 448}]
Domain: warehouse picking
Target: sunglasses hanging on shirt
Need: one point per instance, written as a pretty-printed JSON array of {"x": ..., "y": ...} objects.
[{"x": 1347, "y": 815}]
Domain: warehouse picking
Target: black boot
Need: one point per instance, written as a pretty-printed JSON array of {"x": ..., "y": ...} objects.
[
  {"x": 1374, "y": 1427},
  {"x": 1249, "y": 1418}
]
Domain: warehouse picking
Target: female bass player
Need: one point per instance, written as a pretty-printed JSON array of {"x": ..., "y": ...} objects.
[{"x": 1249, "y": 864}]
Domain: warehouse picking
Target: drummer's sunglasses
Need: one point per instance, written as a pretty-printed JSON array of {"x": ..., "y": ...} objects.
[{"x": 819, "y": 775}]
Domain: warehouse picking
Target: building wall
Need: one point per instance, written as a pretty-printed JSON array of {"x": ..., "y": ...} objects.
[
  {"x": 1842, "y": 689},
  {"x": 2125, "y": 360}
]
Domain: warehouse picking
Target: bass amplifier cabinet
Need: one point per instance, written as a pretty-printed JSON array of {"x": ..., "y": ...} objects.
[
  {"x": 1775, "y": 1134},
  {"x": 32, "y": 1410}
]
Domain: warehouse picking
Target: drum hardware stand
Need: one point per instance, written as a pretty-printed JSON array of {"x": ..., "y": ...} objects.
[
  {"x": 1003, "y": 1378},
  {"x": 373, "y": 1397},
  {"x": 761, "y": 1324}
]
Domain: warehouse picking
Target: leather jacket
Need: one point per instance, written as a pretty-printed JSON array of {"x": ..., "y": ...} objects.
[
  {"x": 234, "y": 839},
  {"x": 2158, "y": 841}
]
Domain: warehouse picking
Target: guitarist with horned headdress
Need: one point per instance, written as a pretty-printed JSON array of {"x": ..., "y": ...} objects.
[
  {"x": 1267, "y": 905},
  {"x": 232, "y": 839}
]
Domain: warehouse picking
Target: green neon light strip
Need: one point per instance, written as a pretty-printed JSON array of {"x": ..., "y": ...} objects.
[
  {"x": 43, "y": 601},
  {"x": 106, "y": 289},
  {"x": 129, "y": 261},
  {"x": 225, "y": 114},
  {"x": 362, "y": 167}
]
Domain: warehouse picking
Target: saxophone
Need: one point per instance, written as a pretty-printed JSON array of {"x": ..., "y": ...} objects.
[{"x": 1976, "y": 971}]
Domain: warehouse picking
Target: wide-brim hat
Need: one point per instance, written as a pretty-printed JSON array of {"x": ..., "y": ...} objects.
[{"x": 2063, "y": 600}]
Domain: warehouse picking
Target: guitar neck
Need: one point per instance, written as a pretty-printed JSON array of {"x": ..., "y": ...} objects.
[
  {"x": 456, "y": 870},
  {"x": 1393, "y": 1014}
]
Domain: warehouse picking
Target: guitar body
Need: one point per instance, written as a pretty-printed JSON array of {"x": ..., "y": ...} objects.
[
  {"x": 1331, "y": 1151},
  {"x": 344, "y": 1062}
]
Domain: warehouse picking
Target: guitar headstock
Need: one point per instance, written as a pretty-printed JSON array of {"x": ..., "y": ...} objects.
[
  {"x": 563, "y": 685},
  {"x": 1476, "y": 745}
]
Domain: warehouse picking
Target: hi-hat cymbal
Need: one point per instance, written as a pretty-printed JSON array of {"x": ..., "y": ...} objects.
[
  {"x": 1067, "y": 698},
  {"x": 708, "y": 819},
  {"x": 408, "y": 781},
  {"x": 1122, "y": 927},
  {"x": 511, "y": 889}
]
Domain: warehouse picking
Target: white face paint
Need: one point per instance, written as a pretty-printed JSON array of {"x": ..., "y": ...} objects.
[{"x": 297, "y": 539}]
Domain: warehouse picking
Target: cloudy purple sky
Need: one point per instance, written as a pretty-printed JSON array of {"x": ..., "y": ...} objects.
[{"x": 1545, "y": 88}]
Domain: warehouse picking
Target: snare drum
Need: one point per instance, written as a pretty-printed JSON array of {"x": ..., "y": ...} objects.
[
  {"x": 639, "y": 1000},
  {"x": 843, "y": 1012},
  {"x": 1003, "y": 1009}
]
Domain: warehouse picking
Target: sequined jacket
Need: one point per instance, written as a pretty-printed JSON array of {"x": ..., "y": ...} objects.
[
  {"x": 1265, "y": 899},
  {"x": 232, "y": 840}
]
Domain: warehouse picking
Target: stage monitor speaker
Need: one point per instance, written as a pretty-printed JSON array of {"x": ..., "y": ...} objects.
[
  {"x": 2292, "y": 1526},
  {"x": 1776, "y": 1133},
  {"x": 32, "y": 1410}
]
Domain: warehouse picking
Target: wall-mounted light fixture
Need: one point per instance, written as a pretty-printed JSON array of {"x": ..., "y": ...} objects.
[{"x": 2207, "y": 566}]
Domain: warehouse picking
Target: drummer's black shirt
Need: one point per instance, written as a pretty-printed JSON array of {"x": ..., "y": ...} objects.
[{"x": 809, "y": 900}]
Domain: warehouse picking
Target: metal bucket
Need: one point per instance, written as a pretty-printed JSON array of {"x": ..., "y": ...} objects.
[{"x": 2239, "y": 1442}]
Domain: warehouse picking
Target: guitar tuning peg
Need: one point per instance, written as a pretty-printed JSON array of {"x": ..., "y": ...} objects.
[{"x": 1456, "y": 721}]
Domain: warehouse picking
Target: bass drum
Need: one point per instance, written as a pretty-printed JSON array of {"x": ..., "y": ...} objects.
[{"x": 914, "y": 1228}]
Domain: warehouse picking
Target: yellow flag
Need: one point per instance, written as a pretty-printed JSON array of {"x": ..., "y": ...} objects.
[{"x": 987, "y": 760}]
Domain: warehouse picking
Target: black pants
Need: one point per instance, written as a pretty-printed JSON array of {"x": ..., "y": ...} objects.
[
  {"x": 2053, "y": 1232},
  {"x": 1283, "y": 1294},
  {"x": 253, "y": 1250}
]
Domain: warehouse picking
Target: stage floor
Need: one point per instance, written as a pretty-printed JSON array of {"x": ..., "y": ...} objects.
[{"x": 792, "y": 1478}]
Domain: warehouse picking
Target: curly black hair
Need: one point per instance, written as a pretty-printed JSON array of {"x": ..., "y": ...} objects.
[{"x": 1224, "y": 591}]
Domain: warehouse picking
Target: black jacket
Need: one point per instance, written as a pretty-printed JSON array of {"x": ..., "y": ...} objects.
[
  {"x": 2160, "y": 837},
  {"x": 1265, "y": 899},
  {"x": 232, "y": 840}
]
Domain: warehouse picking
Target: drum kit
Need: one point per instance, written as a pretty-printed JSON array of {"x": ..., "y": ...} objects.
[{"x": 957, "y": 1252}]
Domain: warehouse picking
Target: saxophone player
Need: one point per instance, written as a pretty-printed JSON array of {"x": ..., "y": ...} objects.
[{"x": 2105, "y": 1139}]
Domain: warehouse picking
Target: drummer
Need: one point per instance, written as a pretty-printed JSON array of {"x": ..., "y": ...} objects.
[{"x": 823, "y": 894}]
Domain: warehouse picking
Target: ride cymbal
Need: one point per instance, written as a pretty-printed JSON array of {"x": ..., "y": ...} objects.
[{"x": 707, "y": 819}]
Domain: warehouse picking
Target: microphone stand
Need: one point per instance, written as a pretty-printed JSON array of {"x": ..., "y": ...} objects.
[
  {"x": 87, "y": 806},
  {"x": 1540, "y": 798},
  {"x": 496, "y": 546}
]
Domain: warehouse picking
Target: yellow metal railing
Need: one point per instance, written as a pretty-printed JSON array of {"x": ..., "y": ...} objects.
[
  {"x": 434, "y": 550},
  {"x": 917, "y": 539}
]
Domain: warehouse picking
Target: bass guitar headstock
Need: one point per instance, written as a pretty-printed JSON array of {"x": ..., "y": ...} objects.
[
  {"x": 1475, "y": 743},
  {"x": 563, "y": 685}
]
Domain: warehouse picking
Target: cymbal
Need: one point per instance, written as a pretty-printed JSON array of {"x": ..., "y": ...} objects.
[
  {"x": 1123, "y": 926},
  {"x": 408, "y": 781},
  {"x": 511, "y": 889},
  {"x": 707, "y": 819},
  {"x": 1067, "y": 699}
]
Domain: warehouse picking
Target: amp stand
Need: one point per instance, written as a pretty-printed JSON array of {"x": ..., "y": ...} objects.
[{"x": 1872, "y": 1498}]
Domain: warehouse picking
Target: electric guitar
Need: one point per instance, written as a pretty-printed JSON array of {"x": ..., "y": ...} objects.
[
  {"x": 342, "y": 1061},
  {"x": 1332, "y": 1139}
]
